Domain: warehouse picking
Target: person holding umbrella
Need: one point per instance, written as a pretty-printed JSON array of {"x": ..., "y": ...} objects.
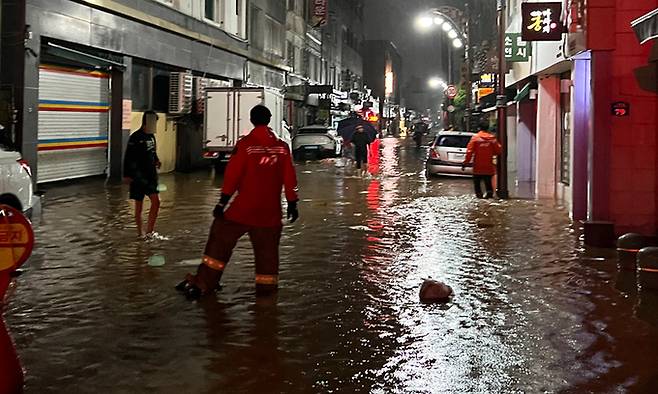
[
  {"x": 361, "y": 141},
  {"x": 349, "y": 128}
]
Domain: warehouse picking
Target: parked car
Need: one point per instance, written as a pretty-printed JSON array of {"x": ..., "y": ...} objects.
[
  {"x": 316, "y": 141},
  {"x": 447, "y": 154},
  {"x": 16, "y": 179}
]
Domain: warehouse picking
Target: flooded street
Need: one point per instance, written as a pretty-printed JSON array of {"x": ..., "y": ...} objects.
[{"x": 533, "y": 311}]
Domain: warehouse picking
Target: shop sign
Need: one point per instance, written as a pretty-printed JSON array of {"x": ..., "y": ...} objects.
[
  {"x": 320, "y": 89},
  {"x": 484, "y": 92},
  {"x": 576, "y": 22},
  {"x": 320, "y": 12},
  {"x": 541, "y": 21},
  {"x": 16, "y": 238},
  {"x": 516, "y": 50},
  {"x": 621, "y": 108},
  {"x": 487, "y": 79}
]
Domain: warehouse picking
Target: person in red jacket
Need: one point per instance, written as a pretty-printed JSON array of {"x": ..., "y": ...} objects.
[
  {"x": 259, "y": 169},
  {"x": 482, "y": 148}
]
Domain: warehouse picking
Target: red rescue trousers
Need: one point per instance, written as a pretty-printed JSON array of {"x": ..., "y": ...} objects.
[
  {"x": 11, "y": 373},
  {"x": 224, "y": 235}
]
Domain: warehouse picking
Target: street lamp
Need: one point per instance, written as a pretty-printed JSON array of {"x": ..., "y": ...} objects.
[
  {"x": 436, "y": 83},
  {"x": 425, "y": 22},
  {"x": 458, "y": 34}
]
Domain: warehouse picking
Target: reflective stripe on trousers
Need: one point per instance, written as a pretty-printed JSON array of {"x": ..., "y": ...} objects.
[
  {"x": 267, "y": 279},
  {"x": 215, "y": 264}
]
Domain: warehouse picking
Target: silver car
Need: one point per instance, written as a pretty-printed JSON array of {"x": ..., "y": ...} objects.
[
  {"x": 316, "y": 141},
  {"x": 447, "y": 154}
]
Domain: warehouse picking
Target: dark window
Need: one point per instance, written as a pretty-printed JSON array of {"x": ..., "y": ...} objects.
[
  {"x": 258, "y": 28},
  {"x": 454, "y": 141},
  {"x": 313, "y": 131},
  {"x": 160, "y": 90},
  {"x": 210, "y": 9},
  {"x": 141, "y": 87}
]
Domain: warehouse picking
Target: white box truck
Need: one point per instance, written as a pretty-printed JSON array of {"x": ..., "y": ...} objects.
[{"x": 227, "y": 117}]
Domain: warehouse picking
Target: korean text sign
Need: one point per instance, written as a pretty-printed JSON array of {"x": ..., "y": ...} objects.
[
  {"x": 516, "y": 50},
  {"x": 542, "y": 21}
]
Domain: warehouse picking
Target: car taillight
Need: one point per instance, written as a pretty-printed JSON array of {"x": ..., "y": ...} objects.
[
  {"x": 25, "y": 165},
  {"x": 434, "y": 154}
]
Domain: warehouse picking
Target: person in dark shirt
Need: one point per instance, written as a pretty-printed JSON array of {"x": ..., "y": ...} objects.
[
  {"x": 140, "y": 171},
  {"x": 361, "y": 140}
]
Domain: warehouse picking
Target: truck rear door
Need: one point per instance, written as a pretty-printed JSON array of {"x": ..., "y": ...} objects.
[
  {"x": 219, "y": 119},
  {"x": 246, "y": 99}
]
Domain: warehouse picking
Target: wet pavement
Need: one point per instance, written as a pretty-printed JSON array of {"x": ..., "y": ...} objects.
[{"x": 533, "y": 311}]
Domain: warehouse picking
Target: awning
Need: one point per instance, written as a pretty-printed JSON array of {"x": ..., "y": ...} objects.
[
  {"x": 80, "y": 56},
  {"x": 488, "y": 102},
  {"x": 646, "y": 27},
  {"x": 523, "y": 93}
]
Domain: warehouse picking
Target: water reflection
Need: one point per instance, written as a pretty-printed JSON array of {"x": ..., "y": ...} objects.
[{"x": 532, "y": 312}]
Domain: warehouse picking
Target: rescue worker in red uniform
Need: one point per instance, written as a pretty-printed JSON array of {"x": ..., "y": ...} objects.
[
  {"x": 259, "y": 169},
  {"x": 481, "y": 149},
  {"x": 11, "y": 372}
]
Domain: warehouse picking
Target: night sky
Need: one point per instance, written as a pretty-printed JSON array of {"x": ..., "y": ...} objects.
[{"x": 421, "y": 56}]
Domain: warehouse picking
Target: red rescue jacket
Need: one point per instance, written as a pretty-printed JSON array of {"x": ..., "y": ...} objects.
[
  {"x": 484, "y": 147},
  {"x": 261, "y": 166}
]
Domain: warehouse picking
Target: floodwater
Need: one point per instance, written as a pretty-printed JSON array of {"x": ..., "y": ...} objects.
[{"x": 533, "y": 311}]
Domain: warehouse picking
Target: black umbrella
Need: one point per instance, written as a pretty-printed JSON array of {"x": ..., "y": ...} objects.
[{"x": 347, "y": 128}]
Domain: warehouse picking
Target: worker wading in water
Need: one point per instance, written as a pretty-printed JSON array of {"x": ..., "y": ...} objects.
[
  {"x": 482, "y": 149},
  {"x": 259, "y": 169}
]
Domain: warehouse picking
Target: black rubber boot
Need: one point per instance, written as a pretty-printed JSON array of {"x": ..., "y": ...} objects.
[{"x": 192, "y": 292}]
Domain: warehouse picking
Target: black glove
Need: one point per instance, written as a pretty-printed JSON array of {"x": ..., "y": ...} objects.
[
  {"x": 218, "y": 212},
  {"x": 293, "y": 213}
]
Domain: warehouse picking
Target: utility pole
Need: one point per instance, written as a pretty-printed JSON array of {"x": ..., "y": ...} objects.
[{"x": 501, "y": 104}]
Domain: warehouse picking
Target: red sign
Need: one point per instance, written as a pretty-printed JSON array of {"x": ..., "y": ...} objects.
[
  {"x": 16, "y": 238},
  {"x": 451, "y": 91},
  {"x": 621, "y": 108},
  {"x": 320, "y": 12},
  {"x": 542, "y": 21}
]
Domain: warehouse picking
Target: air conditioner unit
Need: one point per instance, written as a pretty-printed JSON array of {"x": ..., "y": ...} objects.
[
  {"x": 200, "y": 85},
  {"x": 180, "y": 93}
]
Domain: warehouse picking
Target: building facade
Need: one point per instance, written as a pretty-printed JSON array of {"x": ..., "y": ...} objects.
[
  {"x": 326, "y": 53},
  {"x": 82, "y": 72},
  {"x": 583, "y": 127}
]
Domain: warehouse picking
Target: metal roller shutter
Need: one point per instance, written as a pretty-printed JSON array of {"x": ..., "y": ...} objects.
[{"x": 74, "y": 109}]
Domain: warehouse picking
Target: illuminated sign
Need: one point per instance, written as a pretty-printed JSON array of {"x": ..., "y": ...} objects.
[
  {"x": 484, "y": 92},
  {"x": 487, "y": 79},
  {"x": 389, "y": 84},
  {"x": 621, "y": 108},
  {"x": 516, "y": 50},
  {"x": 542, "y": 21}
]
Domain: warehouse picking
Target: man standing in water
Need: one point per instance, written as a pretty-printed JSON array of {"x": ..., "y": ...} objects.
[
  {"x": 482, "y": 148},
  {"x": 140, "y": 171},
  {"x": 259, "y": 169}
]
